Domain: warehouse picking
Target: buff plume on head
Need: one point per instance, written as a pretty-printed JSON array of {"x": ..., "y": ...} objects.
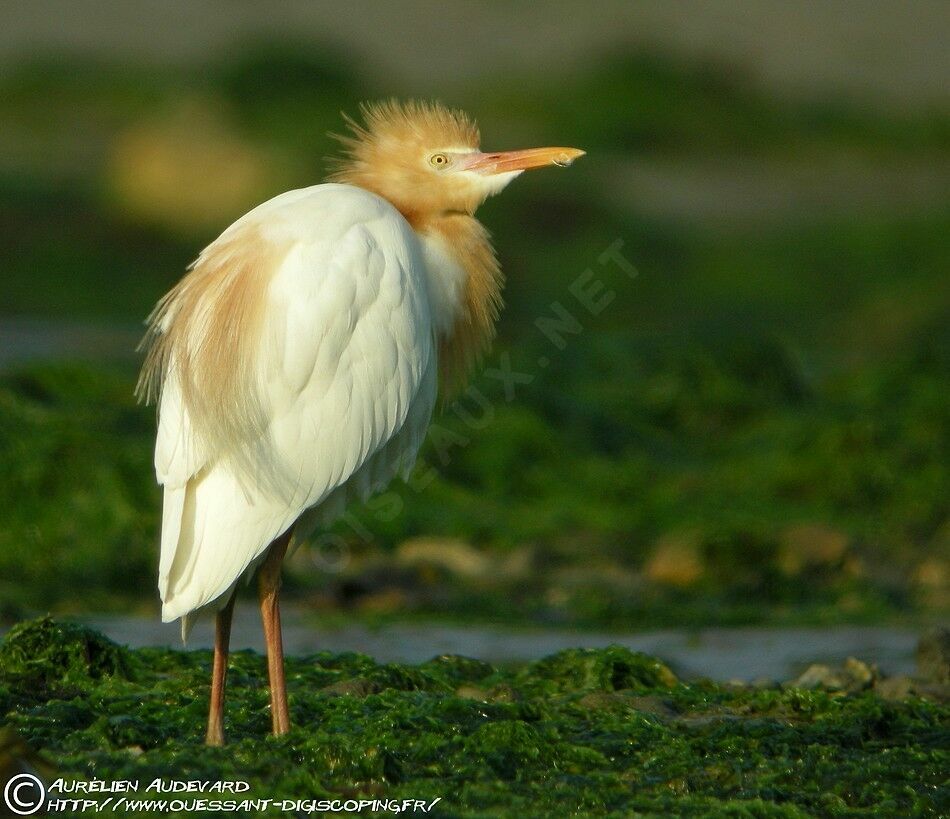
[{"x": 424, "y": 158}]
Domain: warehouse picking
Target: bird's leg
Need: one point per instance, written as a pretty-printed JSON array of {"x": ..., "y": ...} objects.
[
  {"x": 268, "y": 586},
  {"x": 219, "y": 673}
]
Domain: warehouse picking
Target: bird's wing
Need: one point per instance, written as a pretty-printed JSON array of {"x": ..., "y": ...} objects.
[{"x": 318, "y": 379}]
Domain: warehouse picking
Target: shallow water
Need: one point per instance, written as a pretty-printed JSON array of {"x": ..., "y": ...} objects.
[
  {"x": 721, "y": 654},
  {"x": 25, "y": 339}
]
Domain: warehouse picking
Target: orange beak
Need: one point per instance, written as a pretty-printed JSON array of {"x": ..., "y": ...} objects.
[{"x": 507, "y": 161}]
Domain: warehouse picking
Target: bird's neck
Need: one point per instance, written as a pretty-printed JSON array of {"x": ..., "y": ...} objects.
[{"x": 465, "y": 283}]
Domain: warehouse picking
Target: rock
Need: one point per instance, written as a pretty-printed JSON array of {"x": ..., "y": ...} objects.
[
  {"x": 353, "y": 687},
  {"x": 454, "y": 556},
  {"x": 932, "y": 574},
  {"x": 933, "y": 656},
  {"x": 652, "y": 705},
  {"x": 518, "y": 563},
  {"x": 852, "y": 677},
  {"x": 903, "y": 687},
  {"x": 557, "y": 596},
  {"x": 815, "y": 676},
  {"x": 895, "y": 688},
  {"x": 384, "y": 601},
  {"x": 471, "y": 692},
  {"x": 931, "y": 579},
  {"x": 503, "y": 693},
  {"x": 459, "y": 668},
  {"x": 810, "y": 545},
  {"x": 859, "y": 674},
  {"x": 854, "y": 567},
  {"x": 626, "y": 700},
  {"x": 935, "y": 692},
  {"x": 676, "y": 560},
  {"x": 600, "y": 700}
]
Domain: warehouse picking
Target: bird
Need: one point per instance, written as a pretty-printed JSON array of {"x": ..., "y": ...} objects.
[{"x": 297, "y": 363}]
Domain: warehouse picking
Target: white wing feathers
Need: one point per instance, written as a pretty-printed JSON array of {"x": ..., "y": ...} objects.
[{"x": 341, "y": 364}]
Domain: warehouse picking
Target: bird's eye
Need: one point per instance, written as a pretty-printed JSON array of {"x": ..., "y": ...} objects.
[{"x": 439, "y": 160}]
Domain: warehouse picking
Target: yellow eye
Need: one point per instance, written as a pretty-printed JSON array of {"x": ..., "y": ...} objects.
[{"x": 439, "y": 160}]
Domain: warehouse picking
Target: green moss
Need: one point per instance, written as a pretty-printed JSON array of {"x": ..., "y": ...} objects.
[
  {"x": 610, "y": 669},
  {"x": 46, "y": 655},
  {"x": 583, "y": 732}
]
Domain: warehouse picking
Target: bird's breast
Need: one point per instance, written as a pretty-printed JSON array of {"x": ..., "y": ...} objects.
[{"x": 445, "y": 282}]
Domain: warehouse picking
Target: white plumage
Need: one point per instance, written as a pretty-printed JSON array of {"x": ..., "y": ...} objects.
[{"x": 344, "y": 374}]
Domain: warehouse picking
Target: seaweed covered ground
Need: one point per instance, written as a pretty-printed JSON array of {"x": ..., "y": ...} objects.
[{"x": 583, "y": 732}]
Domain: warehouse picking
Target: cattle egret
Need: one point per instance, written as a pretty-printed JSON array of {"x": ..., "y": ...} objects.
[{"x": 296, "y": 365}]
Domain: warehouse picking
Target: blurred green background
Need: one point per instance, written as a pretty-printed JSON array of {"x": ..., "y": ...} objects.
[{"x": 753, "y": 430}]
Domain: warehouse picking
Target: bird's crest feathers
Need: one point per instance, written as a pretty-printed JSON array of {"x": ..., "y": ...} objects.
[
  {"x": 394, "y": 123},
  {"x": 386, "y": 154}
]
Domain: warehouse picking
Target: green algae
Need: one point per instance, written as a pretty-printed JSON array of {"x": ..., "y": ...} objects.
[
  {"x": 52, "y": 656},
  {"x": 592, "y": 733}
]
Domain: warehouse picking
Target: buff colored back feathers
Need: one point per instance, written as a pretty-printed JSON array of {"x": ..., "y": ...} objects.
[{"x": 204, "y": 334}]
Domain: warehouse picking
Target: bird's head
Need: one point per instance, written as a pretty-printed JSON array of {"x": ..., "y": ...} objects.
[{"x": 424, "y": 158}]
